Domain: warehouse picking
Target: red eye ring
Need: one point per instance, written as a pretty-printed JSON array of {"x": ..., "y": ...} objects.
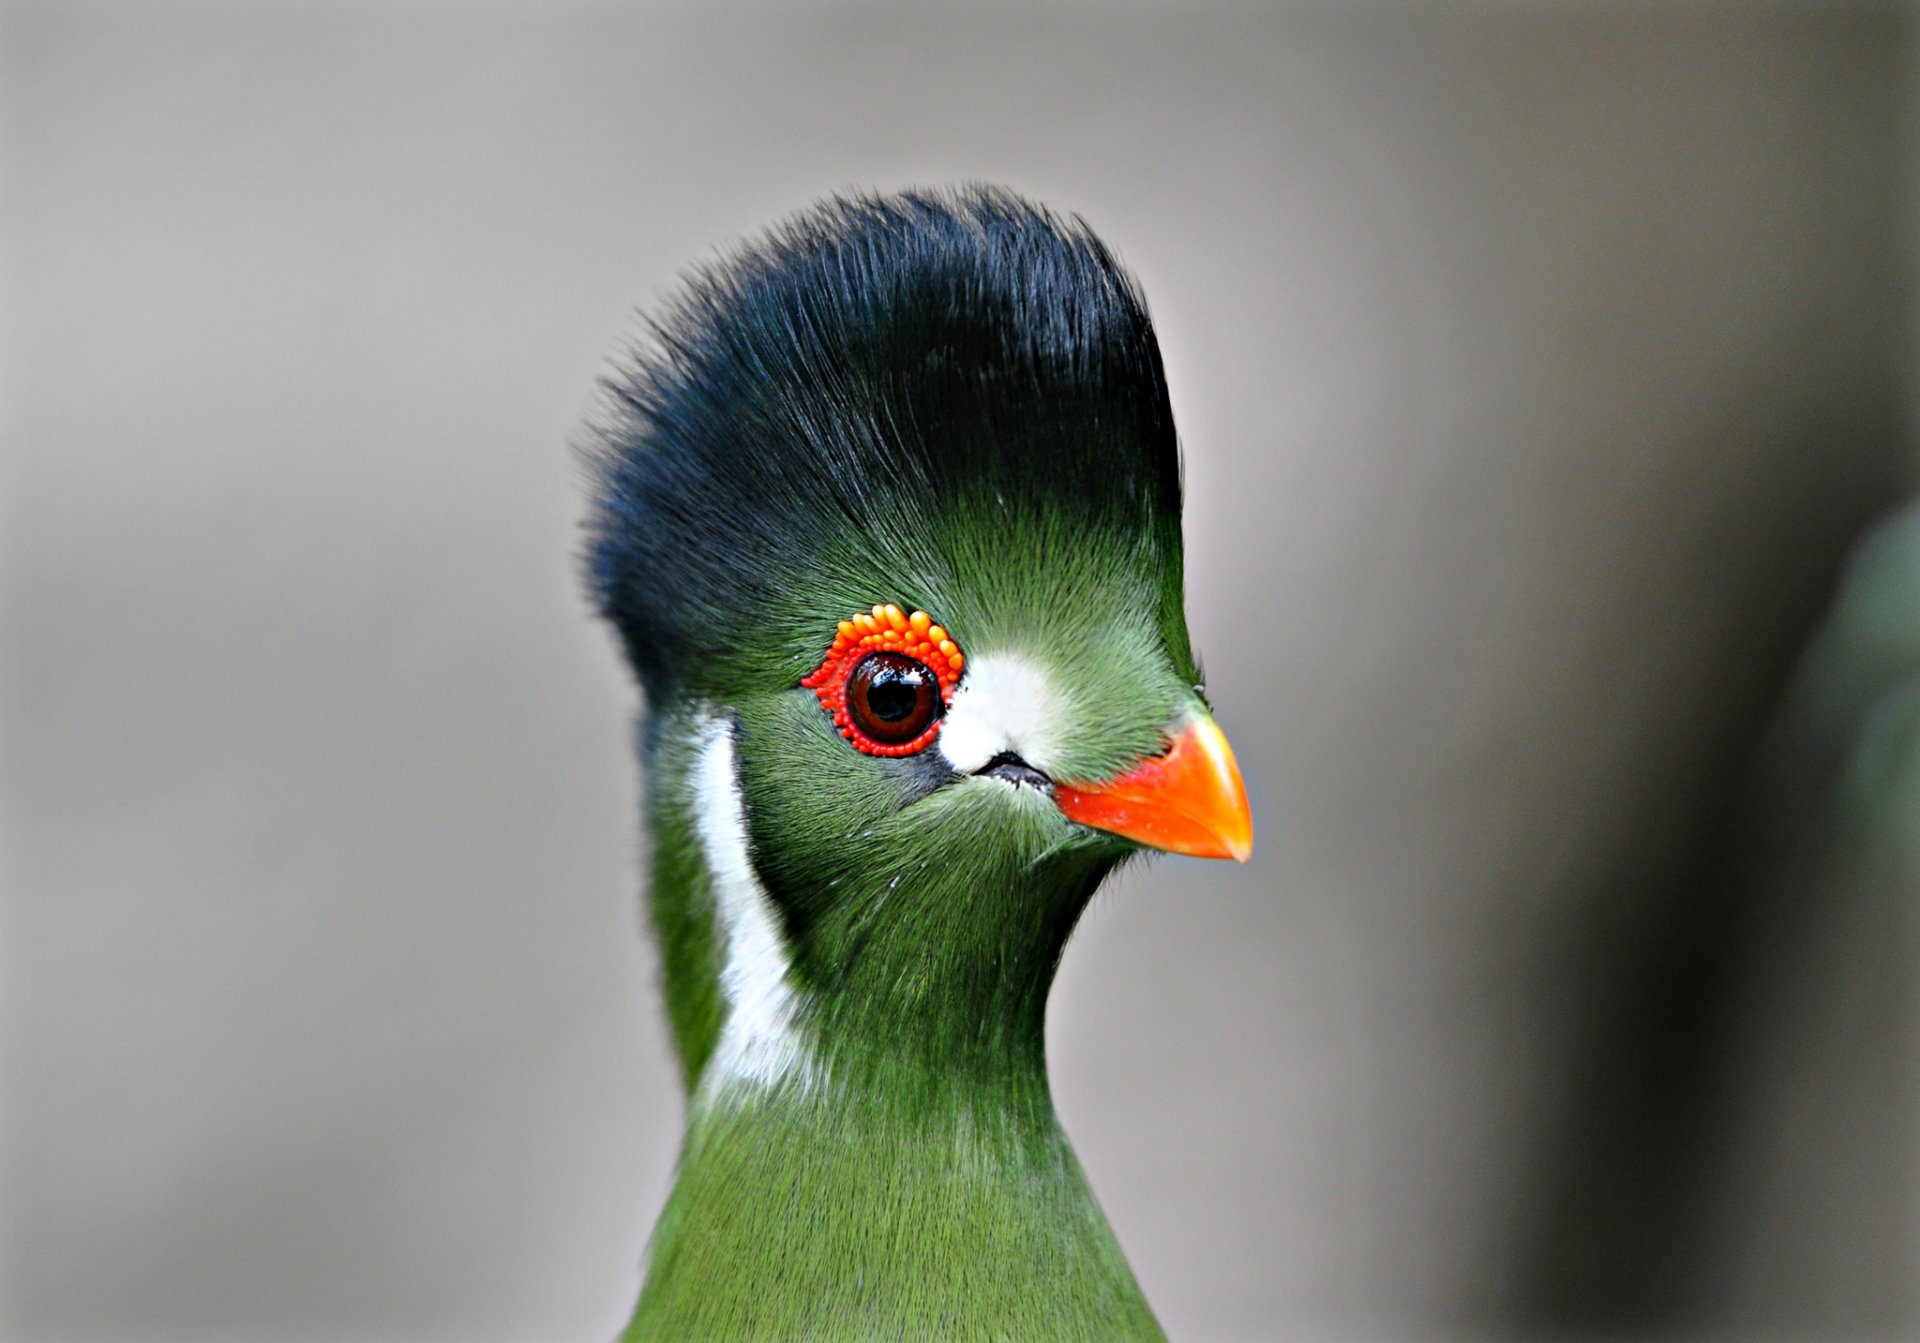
[{"x": 904, "y": 640}]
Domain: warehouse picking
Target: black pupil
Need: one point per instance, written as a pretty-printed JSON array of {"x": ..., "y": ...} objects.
[{"x": 894, "y": 692}]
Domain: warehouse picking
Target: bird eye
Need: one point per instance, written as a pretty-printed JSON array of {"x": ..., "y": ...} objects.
[
  {"x": 892, "y": 697},
  {"x": 887, "y": 679}
]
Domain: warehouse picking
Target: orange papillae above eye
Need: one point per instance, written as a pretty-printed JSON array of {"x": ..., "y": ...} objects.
[{"x": 887, "y": 629}]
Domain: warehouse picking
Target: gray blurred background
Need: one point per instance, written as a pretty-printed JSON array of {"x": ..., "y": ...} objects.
[{"x": 1538, "y": 367}]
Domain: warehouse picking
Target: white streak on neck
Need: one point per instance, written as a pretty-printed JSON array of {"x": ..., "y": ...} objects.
[{"x": 759, "y": 1044}]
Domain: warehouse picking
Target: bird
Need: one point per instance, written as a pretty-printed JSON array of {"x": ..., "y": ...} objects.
[{"x": 886, "y": 517}]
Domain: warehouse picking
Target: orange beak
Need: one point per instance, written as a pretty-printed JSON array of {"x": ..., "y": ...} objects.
[{"x": 1189, "y": 800}]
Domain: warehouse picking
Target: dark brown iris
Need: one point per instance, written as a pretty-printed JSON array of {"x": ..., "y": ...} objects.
[{"x": 892, "y": 698}]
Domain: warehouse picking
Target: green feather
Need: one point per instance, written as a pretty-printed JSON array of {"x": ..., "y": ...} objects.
[{"x": 918, "y": 1184}]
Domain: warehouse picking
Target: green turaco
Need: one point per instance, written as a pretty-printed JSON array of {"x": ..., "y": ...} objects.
[{"x": 887, "y": 517}]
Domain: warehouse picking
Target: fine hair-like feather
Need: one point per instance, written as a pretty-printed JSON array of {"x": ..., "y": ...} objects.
[{"x": 798, "y": 409}]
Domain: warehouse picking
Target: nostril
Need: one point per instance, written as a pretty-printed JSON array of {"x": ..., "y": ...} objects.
[{"x": 1014, "y": 770}]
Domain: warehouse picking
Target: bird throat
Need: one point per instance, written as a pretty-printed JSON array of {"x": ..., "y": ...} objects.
[{"x": 871, "y": 1147}]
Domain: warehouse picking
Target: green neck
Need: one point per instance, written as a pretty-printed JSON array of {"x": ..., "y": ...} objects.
[
  {"x": 829, "y": 1217},
  {"x": 910, "y": 1178}
]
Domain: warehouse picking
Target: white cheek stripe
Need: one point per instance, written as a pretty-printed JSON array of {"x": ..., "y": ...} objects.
[
  {"x": 759, "y": 1044},
  {"x": 1006, "y": 703}
]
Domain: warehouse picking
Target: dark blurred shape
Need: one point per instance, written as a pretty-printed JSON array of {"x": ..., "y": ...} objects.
[{"x": 1744, "y": 1158}]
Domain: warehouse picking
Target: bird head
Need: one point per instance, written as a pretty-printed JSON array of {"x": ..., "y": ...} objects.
[{"x": 888, "y": 520}]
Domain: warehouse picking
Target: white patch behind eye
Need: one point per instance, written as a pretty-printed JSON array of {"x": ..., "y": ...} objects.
[
  {"x": 759, "y": 1043},
  {"x": 1005, "y": 703}
]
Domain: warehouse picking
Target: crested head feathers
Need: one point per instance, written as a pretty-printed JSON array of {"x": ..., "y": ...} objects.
[{"x": 930, "y": 391}]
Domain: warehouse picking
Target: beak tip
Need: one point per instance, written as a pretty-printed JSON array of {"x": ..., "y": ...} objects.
[{"x": 1237, "y": 843}]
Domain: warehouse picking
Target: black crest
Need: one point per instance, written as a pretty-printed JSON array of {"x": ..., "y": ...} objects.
[{"x": 871, "y": 361}]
